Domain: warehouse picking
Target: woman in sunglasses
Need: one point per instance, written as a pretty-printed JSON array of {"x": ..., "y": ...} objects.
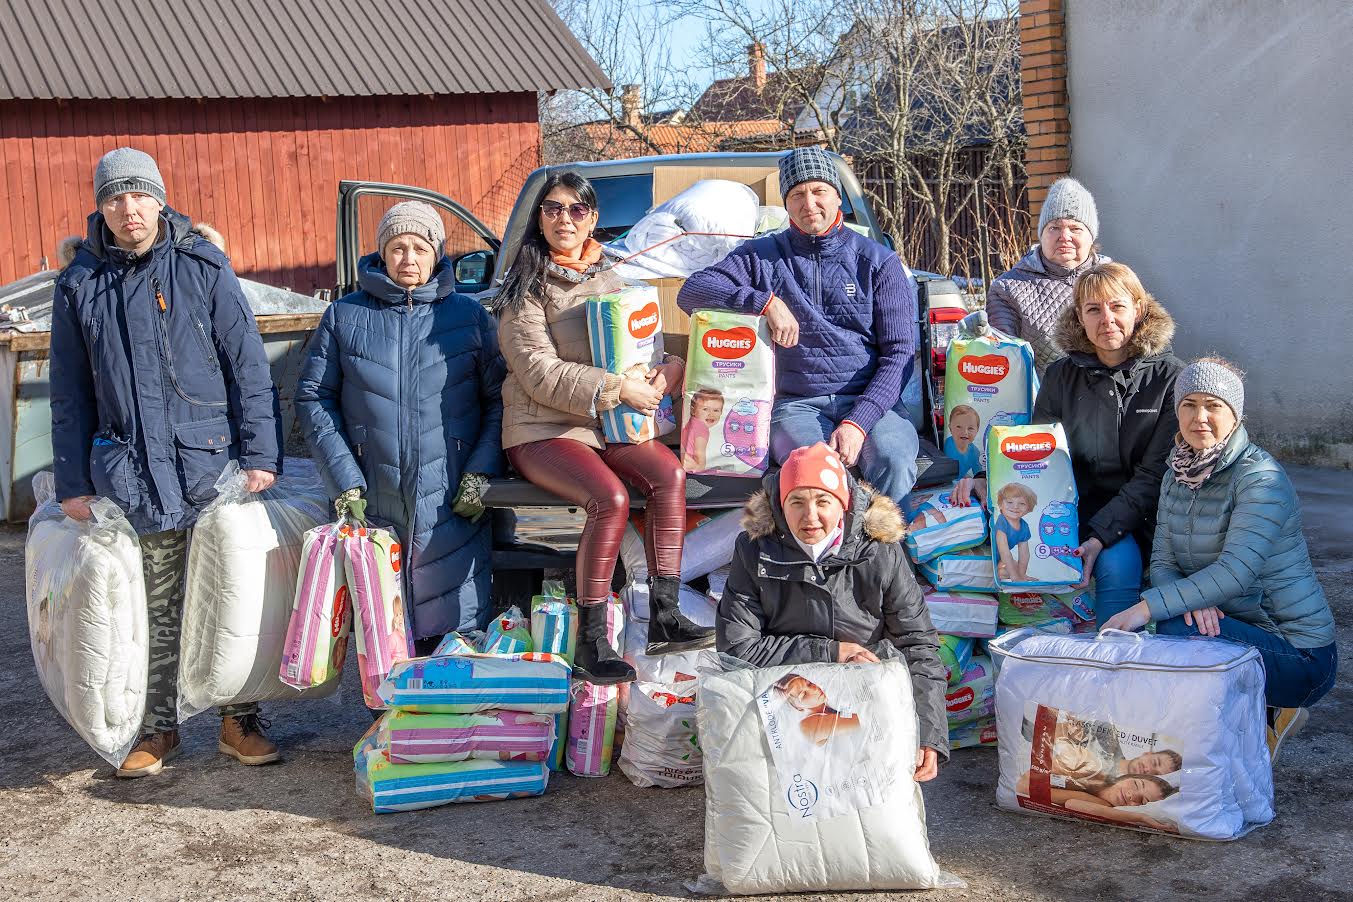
[{"x": 551, "y": 401}]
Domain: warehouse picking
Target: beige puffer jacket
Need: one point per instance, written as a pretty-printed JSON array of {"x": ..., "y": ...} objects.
[{"x": 552, "y": 389}]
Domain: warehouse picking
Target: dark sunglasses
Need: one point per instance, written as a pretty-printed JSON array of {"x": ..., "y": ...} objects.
[{"x": 577, "y": 212}]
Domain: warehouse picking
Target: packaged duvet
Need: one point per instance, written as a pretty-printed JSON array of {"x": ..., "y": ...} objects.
[
  {"x": 1152, "y": 733},
  {"x": 466, "y": 684},
  {"x": 625, "y": 331},
  {"x": 962, "y": 571},
  {"x": 1032, "y": 493},
  {"x": 730, "y": 385},
  {"x": 409, "y": 737}
]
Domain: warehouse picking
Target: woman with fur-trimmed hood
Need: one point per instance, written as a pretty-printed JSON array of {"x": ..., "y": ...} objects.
[
  {"x": 1112, "y": 393},
  {"x": 819, "y": 576}
]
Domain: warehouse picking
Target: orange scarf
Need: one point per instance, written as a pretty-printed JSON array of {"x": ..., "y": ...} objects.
[{"x": 590, "y": 255}]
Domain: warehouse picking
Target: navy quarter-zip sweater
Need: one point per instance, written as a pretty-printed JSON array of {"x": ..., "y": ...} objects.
[{"x": 855, "y": 306}]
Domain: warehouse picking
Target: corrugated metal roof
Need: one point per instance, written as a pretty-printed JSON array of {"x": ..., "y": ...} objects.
[{"x": 92, "y": 49}]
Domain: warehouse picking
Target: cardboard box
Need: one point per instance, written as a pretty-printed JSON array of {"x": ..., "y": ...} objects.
[{"x": 669, "y": 181}]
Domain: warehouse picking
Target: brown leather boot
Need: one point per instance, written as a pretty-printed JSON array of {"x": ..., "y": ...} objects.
[
  {"x": 242, "y": 739},
  {"x": 148, "y": 756}
]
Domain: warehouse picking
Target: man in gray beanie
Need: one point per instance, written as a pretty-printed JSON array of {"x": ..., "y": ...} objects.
[
  {"x": 175, "y": 386},
  {"x": 1027, "y": 301},
  {"x": 842, "y": 310}
]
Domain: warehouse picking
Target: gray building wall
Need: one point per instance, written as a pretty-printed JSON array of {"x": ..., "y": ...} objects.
[{"x": 1217, "y": 138}]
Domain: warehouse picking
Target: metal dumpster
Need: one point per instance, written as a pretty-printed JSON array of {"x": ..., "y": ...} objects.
[{"x": 285, "y": 320}]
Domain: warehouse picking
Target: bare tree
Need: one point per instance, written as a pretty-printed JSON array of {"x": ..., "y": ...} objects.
[{"x": 922, "y": 95}]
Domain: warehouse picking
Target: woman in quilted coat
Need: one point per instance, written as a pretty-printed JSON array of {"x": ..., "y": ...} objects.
[
  {"x": 1229, "y": 557},
  {"x": 552, "y": 433},
  {"x": 1027, "y": 301},
  {"x": 401, "y": 401}
]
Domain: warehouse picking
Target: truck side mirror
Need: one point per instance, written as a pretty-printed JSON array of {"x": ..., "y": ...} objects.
[{"x": 472, "y": 270}]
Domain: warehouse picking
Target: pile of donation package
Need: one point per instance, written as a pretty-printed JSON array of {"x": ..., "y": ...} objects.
[{"x": 275, "y": 591}]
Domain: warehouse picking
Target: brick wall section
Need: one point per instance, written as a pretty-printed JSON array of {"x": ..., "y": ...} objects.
[{"x": 1046, "y": 119}]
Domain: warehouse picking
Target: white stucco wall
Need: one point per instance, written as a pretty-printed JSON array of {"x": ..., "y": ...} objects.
[{"x": 1217, "y": 138}]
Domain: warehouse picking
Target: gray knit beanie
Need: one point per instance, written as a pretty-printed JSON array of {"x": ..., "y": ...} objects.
[
  {"x": 127, "y": 169},
  {"x": 1213, "y": 378},
  {"x": 411, "y": 217},
  {"x": 807, "y": 164},
  {"x": 1069, "y": 199}
]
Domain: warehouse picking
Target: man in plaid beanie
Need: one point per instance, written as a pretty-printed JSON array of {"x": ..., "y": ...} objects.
[{"x": 842, "y": 311}]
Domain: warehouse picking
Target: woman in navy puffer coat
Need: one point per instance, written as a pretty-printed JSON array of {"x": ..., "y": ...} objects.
[{"x": 401, "y": 398}]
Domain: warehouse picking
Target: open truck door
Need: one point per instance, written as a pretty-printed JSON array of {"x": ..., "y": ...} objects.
[{"x": 471, "y": 245}]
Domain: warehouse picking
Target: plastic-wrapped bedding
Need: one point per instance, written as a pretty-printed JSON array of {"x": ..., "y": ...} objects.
[
  {"x": 961, "y": 571},
  {"x": 808, "y": 787},
  {"x": 729, "y": 209},
  {"x": 697, "y": 606},
  {"x": 467, "y": 684},
  {"x": 413, "y": 738},
  {"x": 242, "y": 563},
  {"x": 963, "y": 613},
  {"x": 1147, "y": 732},
  {"x": 86, "y": 603}
]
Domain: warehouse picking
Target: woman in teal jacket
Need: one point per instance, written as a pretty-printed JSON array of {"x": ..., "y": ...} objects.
[{"x": 1229, "y": 558}]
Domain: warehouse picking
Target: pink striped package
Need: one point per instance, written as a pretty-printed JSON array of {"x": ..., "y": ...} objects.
[
  {"x": 371, "y": 563},
  {"x": 411, "y": 738},
  {"x": 593, "y": 711},
  {"x": 321, "y": 617}
]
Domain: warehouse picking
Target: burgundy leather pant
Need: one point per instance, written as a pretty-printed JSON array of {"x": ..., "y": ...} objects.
[{"x": 592, "y": 480}]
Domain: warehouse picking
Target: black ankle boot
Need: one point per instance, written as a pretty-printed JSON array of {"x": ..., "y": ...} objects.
[
  {"x": 596, "y": 660},
  {"x": 668, "y": 629}
]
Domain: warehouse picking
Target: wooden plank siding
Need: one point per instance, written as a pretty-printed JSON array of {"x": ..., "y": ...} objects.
[{"x": 264, "y": 172}]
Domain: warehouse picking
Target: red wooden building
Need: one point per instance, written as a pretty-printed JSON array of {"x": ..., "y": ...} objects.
[{"x": 255, "y": 111}]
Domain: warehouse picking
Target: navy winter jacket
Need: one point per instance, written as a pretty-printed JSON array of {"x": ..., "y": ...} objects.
[
  {"x": 855, "y": 306},
  {"x": 159, "y": 376},
  {"x": 401, "y": 394}
]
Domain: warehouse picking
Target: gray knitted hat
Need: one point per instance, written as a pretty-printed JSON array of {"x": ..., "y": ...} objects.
[
  {"x": 412, "y": 217},
  {"x": 807, "y": 164},
  {"x": 1214, "y": 379},
  {"x": 1069, "y": 199},
  {"x": 127, "y": 169}
]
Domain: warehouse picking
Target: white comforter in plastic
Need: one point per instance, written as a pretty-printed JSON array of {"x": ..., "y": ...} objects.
[
  {"x": 1151, "y": 733},
  {"x": 242, "y": 563},
  {"x": 729, "y": 209},
  {"x": 811, "y": 788},
  {"x": 87, "y": 620}
]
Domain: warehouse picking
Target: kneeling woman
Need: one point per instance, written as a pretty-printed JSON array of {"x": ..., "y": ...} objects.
[
  {"x": 551, "y": 401},
  {"x": 401, "y": 403},
  {"x": 1229, "y": 557},
  {"x": 819, "y": 576}
]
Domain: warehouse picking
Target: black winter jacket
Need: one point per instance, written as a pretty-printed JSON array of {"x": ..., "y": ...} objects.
[
  {"x": 779, "y": 607},
  {"x": 1120, "y": 423}
]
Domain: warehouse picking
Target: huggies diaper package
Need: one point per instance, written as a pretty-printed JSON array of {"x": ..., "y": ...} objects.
[
  {"x": 980, "y": 732},
  {"x": 955, "y": 655},
  {"x": 935, "y": 526},
  {"x": 554, "y": 626},
  {"x": 509, "y": 634},
  {"x": 1032, "y": 494},
  {"x": 1152, "y": 733},
  {"x": 974, "y": 698},
  {"x": 963, "y": 613},
  {"x": 371, "y": 563},
  {"x": 1029, "y": 608},
  {"x": 414, "y": 738},
  {"x": 730, "y": 386},
  {"x": 961, "y": 571},
  {"x": 321, "y": 619},
  {"x": 466, "y": 684},
  {"x": 988, "y": 381},
  {"x": 625, "y": 330}
]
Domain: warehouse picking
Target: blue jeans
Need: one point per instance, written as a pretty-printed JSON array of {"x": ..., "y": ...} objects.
[
  {"x": 1118, "y": 578},
  {"x": 888, "y": 458},
  {"x": 1293, "y": 677}
]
